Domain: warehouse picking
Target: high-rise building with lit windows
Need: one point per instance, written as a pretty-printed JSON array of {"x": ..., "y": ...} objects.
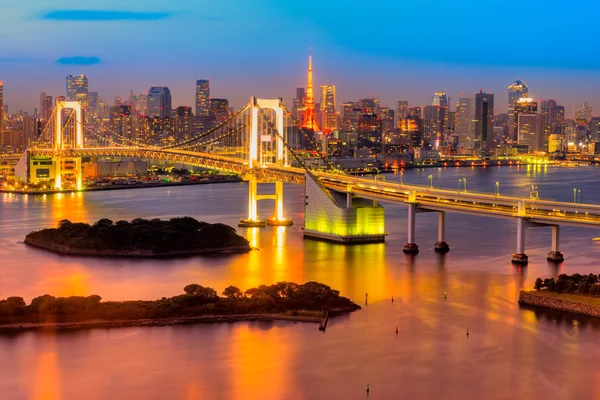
[
  {"x": 329, "y": 116},
  {"x": 77, "y": 89},
  {"x": 518, "y": 89},
  {"x": 203, "y": 97},
  {"x": 159, "y": 102},
  {"x": 484, "y": 119},
  {"x": 219, "y": 110},
  {"x": 1, "y": 106},
  {"x": 440, "y": 100},
  {"x": 466, "y": 122}
]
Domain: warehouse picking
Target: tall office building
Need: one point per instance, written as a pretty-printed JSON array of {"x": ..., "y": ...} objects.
[
  {"x": 466, "y": 122},
  {"x": 433, "y": 124},
  {"x": 440, "y": 99},
  {"x": 328, "y": 98},
  {"x": 121, "y": 123},
  {"x": 329, "y": 116},
  {"x": 203, "y": 97},
  {"x": 93, "y": 100},
  {"x": 484, "y": 120},
  {"x": 77, "y": 89},
  {"x": 530, "y": 129},
  {"x": 159, "y": 102},
  {"x": 219, "y": 110},
  {"x": 298, "y": 105},
  {"x": 518, "y": 89},
  {"x": 1, "y": 106},
  {"x": 182, "y": 122},
  {"x": 585, "y": 112},
  {"x": 401, "y": 111}
]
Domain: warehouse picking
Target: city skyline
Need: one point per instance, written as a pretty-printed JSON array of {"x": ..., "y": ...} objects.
[{"x": 117, "y": 60}]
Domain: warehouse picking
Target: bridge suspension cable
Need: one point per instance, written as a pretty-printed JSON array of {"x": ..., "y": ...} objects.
[
  {"x": 208, "y": 132},
  {"x": 312, "y": 142}
]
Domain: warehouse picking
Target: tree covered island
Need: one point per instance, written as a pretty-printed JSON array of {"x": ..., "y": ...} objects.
[
  {"x": 284, "y": 300},
  {"x": 139, "y": 238}
]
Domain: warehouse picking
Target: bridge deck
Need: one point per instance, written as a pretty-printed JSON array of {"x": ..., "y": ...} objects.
[{"x": 542, "y": 211}]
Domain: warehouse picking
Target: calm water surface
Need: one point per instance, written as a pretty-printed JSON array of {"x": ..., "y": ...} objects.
[{"x": 512, "y": 353}]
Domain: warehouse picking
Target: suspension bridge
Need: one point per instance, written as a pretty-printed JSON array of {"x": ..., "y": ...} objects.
[{"x": 261, "y": 143}]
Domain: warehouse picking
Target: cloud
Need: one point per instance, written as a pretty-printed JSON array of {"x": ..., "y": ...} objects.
[
  {"x": 103, "y": 15},
  {"x": 78, "y": 60}
]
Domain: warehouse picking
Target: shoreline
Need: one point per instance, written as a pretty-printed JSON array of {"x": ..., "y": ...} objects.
[
  {"x": 69, "y": 251},
  {"x": 148, "y": 322},
  {"x": 558, "y": 304},
  {"x": 120, "y": 187}
]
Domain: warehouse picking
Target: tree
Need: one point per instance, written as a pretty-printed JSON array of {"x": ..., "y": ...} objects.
[
  {"x": 200, "y": 291},
  {"x": 233, "y": 293},
  {"x": 103, "y": 222},
  {"x": 538, "y": 284},
  {"x": 63, "y": 223},
  {"x": 561, "y": 285},
  {"x": 571, "y": 287}
]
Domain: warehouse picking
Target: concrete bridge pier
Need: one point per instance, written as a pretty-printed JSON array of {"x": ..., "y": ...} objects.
[
  {"x": 555, "y": 255},
  {"x": 278, "y": 219},
  {"x": 411, "y": 247},
  {"x": 520, "y": 258},
  {"x": 441, "y": 246},
  {"x": 253, "y": 220}
]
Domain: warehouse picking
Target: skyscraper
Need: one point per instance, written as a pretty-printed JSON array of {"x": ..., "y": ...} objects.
[
  {"x": 484, "y": 119},
  {"x": 433, "y": 118},
  {"x": 585, "y": 112},
  {"x": 1, "y": 106},
  {"x": 77, "y": 89},
  {"x": 159, "y": 102},
  {"x": 219, "y": 110},
  {"x": 466, "y": 121},
  {"x": 402, "y": 109},
  {"x": 440, "y": 99},
  {"x": 516, "y": 90},
  {"x": 203, "y": 97},
  {"x": 310, "y": 117},
  {"x": 329, "y": 115},
  {"x": 530, "y": 129}
]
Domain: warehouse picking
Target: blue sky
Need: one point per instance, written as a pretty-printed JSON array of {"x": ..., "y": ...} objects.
[{"x": 394, "y": 49}]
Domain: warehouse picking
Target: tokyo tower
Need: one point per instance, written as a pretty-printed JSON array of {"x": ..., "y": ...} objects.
[{"x": 310, "y": 118}]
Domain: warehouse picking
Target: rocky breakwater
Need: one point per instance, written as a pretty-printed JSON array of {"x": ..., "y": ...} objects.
[{"x": 556, "y": 303}]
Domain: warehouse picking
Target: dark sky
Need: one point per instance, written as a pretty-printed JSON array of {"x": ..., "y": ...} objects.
[{"x": 394, "y": 49}]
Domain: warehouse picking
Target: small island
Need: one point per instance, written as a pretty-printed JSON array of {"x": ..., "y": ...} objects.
[
  {"x": 176, "y": 237},
  {"x": 579, "y": 294},
  {"x": 309, "y": 302}
]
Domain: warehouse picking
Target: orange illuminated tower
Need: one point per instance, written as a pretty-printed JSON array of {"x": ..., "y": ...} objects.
[{"x": 310, "y": 118}]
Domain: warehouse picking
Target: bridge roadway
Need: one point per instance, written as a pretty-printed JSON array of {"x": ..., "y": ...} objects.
[{"x": 540, "y": 211}]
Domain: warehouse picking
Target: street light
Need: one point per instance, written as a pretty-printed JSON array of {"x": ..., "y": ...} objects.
[
  {"x": 401, "y": 177},
  {"x": 575, "y": 193},
  {"x": 465, "y": 184},
  {"x": 497, "y": 189},
  {"x": 430, "y": 177}
]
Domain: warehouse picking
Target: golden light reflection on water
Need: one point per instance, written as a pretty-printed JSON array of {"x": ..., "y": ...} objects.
[
  {"x": 46, "y": 383},
  {"x": 261, "y": 365},
  {"x": 75, "y": 282}
]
